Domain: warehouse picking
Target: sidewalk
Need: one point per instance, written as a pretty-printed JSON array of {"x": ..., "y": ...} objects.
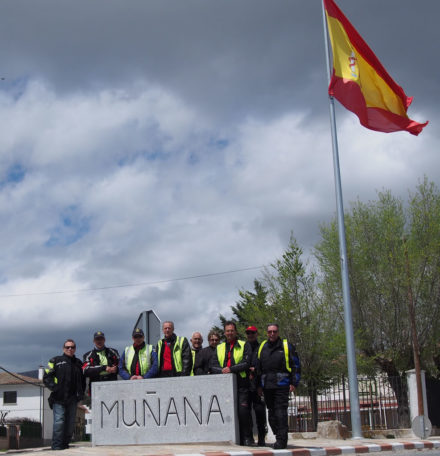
[{"x": 296, "y": 447}]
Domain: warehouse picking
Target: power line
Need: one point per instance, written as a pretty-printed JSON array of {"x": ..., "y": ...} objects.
[{"x": 127, "y": 285}]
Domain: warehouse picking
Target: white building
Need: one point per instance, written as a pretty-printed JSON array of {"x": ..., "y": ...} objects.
[{"x": 25, "y": 397}]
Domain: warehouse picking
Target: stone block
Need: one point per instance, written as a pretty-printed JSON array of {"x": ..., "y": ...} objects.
[
  {"x": 332, "y": 430},
  {"x": 165, "y": 410}
]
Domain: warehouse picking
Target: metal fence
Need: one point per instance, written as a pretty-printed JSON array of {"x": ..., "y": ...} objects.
[{"x": 378, "y": 405}]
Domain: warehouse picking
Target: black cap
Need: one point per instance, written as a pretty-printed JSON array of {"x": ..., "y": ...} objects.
[
  {"x": 98, "y": 334},
  {"x": 138, "y": 332}
]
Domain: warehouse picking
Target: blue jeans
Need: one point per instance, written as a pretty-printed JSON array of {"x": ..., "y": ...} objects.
[{"x": 63, "y": 424}]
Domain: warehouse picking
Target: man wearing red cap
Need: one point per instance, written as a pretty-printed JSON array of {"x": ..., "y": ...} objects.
[{"x": 255, "y": 400}]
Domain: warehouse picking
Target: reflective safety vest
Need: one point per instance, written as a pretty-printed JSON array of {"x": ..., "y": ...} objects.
[
  {"x": 177, "y": 353},
  {"x": 193, "y": 353},
  {"x": 238, "y": 352},
  {"x": 103, "y": 361},
  {"x": 286, "y": 353},
  {"x": 144, "y": 358}
]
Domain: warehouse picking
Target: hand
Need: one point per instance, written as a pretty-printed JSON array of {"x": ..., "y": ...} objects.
[
  {"x": 136, "y": 377},
  {"x": 260, "y": 391},
  {"x": 291, "y": 388},
  {"x": 111, "y": 370},
  {"x": 226, "y": 370}
]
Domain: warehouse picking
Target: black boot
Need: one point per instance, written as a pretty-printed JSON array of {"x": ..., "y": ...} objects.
[
  {"x": 261, "y": 439},
  {"x": 279, "y": 445}
]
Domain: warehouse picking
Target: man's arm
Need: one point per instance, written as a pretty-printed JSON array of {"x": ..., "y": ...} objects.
[
  {"x": 214, "y": 364},
  {"x": 187, "y": 361},
  {"x": 295, "y": 364},
  {"x": 83, "y": 379},
  {"x": 153, "y": 370},
  {"x": 89, "y": 368},
  {"x": 49, "y": 377},
  {"x": 122, "y": 370}
]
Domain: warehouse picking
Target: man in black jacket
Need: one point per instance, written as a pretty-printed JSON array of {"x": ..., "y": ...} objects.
[
  {"x": 173, "y": 353},
  {"x": 64, "y": 378},
  {"x": 280, "y": 370},
  {"x": 101, "y": 363},
  {"x": 234, "y": 357}
]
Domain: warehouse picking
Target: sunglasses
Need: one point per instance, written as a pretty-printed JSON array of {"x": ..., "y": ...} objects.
[
  {"x": 69, "y": 347},
  {"x": 138, "y": 336}
]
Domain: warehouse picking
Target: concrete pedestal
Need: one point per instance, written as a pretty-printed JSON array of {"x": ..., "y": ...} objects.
[{"x": 168, "y": 410}]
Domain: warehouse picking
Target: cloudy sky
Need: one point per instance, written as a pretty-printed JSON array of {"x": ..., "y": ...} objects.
[{"x": 143, "y": 141}]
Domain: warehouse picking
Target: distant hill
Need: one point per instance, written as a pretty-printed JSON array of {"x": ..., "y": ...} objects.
[{"x": 32, "y": 373}]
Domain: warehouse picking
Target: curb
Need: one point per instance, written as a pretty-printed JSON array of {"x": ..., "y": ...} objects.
[{"x": 328, "y": 451}]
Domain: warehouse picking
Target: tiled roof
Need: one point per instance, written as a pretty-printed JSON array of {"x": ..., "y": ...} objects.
[{"x": 8, "y": 379}]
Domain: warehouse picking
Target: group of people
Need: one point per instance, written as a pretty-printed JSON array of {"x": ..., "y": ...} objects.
[{"x": 266, "y": 372}]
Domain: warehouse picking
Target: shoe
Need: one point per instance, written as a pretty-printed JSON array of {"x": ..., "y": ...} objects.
[
  {"x": 279, "y": 445},
  {"x": 248, "y": 442},
  {"x": 261, "y": 443}
]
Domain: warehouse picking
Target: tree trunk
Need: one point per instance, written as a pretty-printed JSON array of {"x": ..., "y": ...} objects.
[{"x": 313, "y": 395}]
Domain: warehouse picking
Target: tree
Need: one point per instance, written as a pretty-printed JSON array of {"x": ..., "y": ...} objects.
[{"x": 379, "y": 281}]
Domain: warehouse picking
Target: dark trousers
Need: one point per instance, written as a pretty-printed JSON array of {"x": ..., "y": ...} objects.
[
  {"x": 277, "y": 402},
  {"x": 63, "y": 424},
  {"x": 260, "y": 413},
  {"x": 244, "y": 414},
  {"x": 165, "y": 374}
]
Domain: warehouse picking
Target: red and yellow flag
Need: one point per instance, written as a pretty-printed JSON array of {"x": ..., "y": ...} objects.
[{"x": 361, "y": 83}]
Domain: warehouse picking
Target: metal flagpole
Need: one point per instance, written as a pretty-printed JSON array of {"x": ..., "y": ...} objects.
[{"x": 348, "y": 320}]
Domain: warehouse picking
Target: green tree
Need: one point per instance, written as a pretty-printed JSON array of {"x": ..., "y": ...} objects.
[
  {"x": 379, "y": 282},
  {"x": 287, "y": 295}
]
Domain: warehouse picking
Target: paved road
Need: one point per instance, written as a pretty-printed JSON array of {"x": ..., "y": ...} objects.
[{"x": 297, "y": 447}]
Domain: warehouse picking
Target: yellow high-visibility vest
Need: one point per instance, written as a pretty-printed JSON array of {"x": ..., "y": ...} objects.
[
  {"x": 238, "y": 352},
  {"x": 286, "y": 353}
]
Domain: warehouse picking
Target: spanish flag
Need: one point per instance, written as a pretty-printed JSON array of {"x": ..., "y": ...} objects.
[{"x": 361, "y": 83}]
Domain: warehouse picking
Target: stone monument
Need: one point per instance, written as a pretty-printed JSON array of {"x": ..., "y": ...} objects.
[{"x": 165, "y": 410}]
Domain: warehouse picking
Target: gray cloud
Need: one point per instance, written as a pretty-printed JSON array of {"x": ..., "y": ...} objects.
[{"x": 148, "y": 141}]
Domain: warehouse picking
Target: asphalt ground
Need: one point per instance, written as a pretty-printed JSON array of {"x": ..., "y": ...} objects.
[{"x": 296, "y": 447}]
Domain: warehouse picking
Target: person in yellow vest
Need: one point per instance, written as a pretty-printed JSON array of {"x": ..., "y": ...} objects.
[
  {"x": 234, "y": 357},
  {"x": 101, "y": 363},
  {"x": 279, "y": 368},
  {"x": 196, "y": 348},
  {"x": 138, "y": 361},
  {"x": 173, "y": 353}
]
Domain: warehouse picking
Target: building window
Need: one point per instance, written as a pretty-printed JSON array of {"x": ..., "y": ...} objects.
[{"x": 9, "y": 397}]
